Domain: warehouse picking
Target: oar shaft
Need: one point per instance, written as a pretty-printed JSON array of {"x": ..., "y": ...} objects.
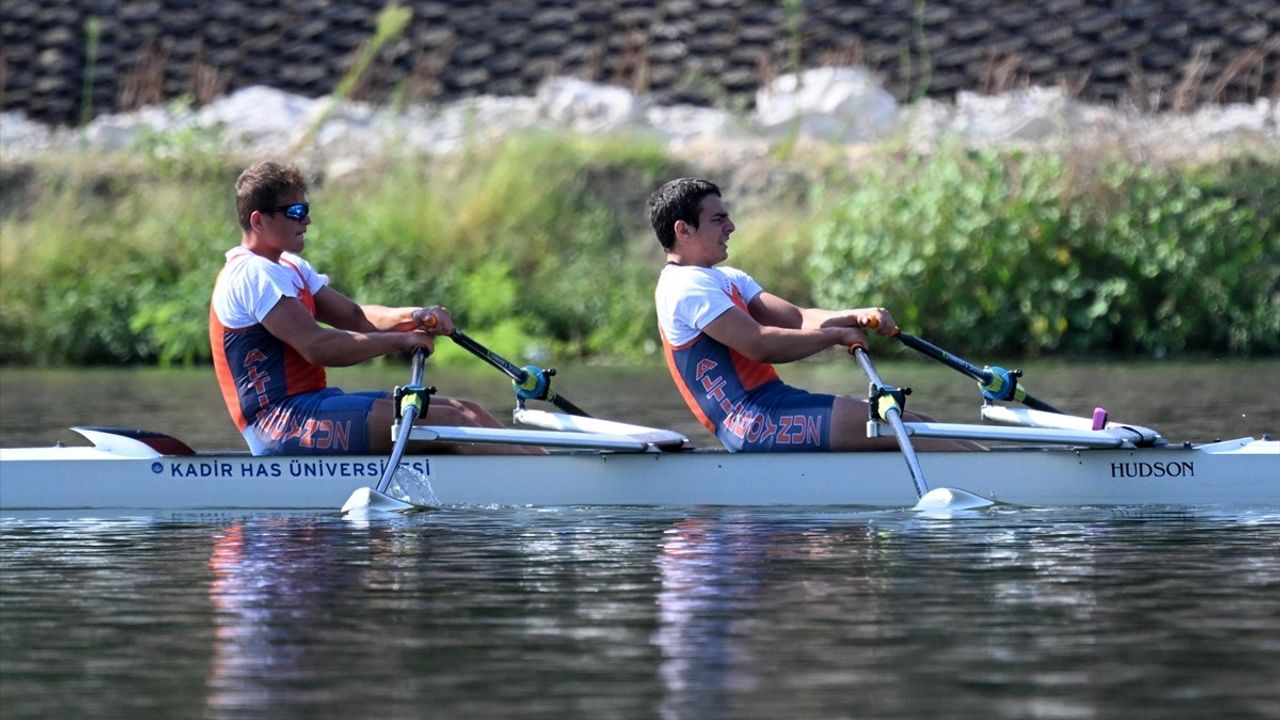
[
  {"x": 513, "y": 371},
  {"x": 894, "y": 417},
  {"x": 944, "y": 357},
  {"x": 983, "y": 376},
  {"x": 407, "y": 417},
  {"x": 567, "y": 406}
]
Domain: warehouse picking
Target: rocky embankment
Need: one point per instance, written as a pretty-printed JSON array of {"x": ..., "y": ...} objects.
[
  {"x": 62, "y": 61},
  {"x": 840, "y": 110}
]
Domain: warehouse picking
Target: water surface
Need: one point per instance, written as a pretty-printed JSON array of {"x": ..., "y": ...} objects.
[
  {"x": 687, "y": 612},
  {"x": 638, "y": 613}
]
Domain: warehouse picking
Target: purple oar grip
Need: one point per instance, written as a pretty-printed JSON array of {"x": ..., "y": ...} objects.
[{"x": 1099, "y": 418}]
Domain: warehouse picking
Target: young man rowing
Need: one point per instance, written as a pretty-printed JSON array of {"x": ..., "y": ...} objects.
[
  {"x": 721, "y": 331},
  {"x": 270, "y": 352}
]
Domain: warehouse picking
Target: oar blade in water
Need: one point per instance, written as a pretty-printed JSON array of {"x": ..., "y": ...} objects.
[
  {"x": 367, "y": 500},
  {"x": 947, "y": 500}
]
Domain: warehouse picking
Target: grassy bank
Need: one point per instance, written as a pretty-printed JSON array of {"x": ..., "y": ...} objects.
[{"x": 539, "y": 244}]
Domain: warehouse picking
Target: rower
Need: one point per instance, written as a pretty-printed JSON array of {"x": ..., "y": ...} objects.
[{"x": 721, "y": 331}]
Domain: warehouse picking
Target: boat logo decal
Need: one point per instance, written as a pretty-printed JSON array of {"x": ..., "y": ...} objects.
[
  {"x": 311, "y": 467},
  {"x": 1144, "y": 469}
]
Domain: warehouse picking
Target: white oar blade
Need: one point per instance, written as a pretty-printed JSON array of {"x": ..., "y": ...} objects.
[
  {"x": 368, "y": 500},
  {"x": 946, "y": 500}
]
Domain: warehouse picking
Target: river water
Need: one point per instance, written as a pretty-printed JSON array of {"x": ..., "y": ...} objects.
[{"x": 644, "y": 612}]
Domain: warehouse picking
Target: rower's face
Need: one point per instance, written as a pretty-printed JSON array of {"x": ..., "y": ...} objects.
[
  {"x": 707, "y": 244},
  {"x": 286, "y": 234}
]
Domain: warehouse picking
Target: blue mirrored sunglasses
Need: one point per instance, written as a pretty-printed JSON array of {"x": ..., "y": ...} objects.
[{"x": 296, "y": 211}]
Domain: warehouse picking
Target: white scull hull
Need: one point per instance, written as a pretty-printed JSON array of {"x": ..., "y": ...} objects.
[{"x": 1237, "y": 473}]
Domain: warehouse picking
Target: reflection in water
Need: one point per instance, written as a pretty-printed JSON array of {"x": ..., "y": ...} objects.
[
  {"x": 593, "y": 613},
  {"x": 282, "y": 589},
  {"x": 731, "y": 616},
  {"x": 705, "y": 571},
  {"x": 267, "y": 575}
]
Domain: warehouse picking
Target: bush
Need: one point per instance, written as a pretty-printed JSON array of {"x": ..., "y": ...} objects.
[
  {"x": 540, "y": 246},
  {"x": 1032, "y": 255},
  {"x": 524, "y": 241}
]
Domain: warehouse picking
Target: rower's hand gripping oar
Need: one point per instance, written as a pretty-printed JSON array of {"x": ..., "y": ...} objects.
[
  {"x": 531, "y": 383},
  {"x": 996, "y": 382},
  {"x": 411, "y": 404},
  {"x": 886, "y": 403}
]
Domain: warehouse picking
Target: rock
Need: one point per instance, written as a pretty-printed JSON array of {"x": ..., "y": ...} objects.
[
  {"x": 584, "y": 106},
  {"x": 843, "y": 105}
]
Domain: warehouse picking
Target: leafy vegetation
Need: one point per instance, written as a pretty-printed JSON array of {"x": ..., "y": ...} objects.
[
  {"x": 1034, "y": 254},
  {"x": 539, "y": 244}
]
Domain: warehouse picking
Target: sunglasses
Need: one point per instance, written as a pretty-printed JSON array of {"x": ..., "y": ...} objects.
[{"x": 296, "y": 211}]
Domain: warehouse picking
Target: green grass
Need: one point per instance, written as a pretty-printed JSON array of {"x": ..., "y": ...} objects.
[{"x": 539, "y": 244}]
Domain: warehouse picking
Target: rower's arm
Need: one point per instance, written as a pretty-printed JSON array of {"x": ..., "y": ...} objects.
[
  {"x": 874, "y": 317},
  {"x": 340, "y": 311},
  {"x": 336, "y": 309},
  {"x": 769, "y": 309},
  {"x": 769, "y": 343},
  {"x": 291, "y": 322}
]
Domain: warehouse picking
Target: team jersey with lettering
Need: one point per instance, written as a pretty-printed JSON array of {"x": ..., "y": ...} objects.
[
  {"x": 741, "y": 401},
  {"x": 256, "y": 371},
  {"x": 711, "y": 377}
]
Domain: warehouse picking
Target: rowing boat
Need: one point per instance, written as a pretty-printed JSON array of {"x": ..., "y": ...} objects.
[
  {"x": 133, "y": 470},
  {"x": 1039, "y": 456}
]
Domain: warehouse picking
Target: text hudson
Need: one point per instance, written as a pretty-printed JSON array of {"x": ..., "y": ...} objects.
[{"x": 1184, "y": 468}]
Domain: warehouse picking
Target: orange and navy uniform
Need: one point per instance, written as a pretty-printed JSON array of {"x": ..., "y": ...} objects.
[
  {"x": 278, "y": 400},
  {"x": 742, "y": 401}
]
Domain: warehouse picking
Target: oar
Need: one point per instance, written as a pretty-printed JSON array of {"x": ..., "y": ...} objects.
[
  {"x": 996, "y": 382},
  {"x": 886, "y": 402},
  {"x": 412, "y": 399},
  {"x": 531, "y": 382}
]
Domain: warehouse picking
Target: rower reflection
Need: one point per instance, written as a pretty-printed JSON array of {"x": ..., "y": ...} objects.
[
  {"x": 276, "y": 581},
  {"x": 728, "y": 602}
]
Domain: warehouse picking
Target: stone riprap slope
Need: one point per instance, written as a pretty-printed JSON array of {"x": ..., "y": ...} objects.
[
  {"x": 837, "y": 111},
  {"x": 1156, "y": 54}
]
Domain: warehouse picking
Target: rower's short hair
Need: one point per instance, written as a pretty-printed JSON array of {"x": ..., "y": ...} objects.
[
  {"x": 680, "y": 199},
  {"x": 261, "y": 184}
]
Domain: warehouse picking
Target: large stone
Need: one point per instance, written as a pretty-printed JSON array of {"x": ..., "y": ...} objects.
[{"x": 839, "y": 104}]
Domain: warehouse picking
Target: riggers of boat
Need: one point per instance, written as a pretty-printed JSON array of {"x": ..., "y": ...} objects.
[{"x": 1037, "y": 457}]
